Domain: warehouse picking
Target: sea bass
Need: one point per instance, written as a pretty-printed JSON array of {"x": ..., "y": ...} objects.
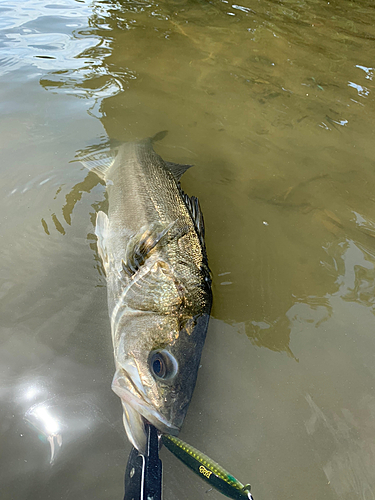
[{"x": 159, "y": 286}]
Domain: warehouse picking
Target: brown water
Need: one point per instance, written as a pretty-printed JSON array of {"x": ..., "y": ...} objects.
[{"x": 273, "y": 102}]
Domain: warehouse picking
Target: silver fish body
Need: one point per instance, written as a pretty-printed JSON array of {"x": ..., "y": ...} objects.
[{"x": 159, "y": 287}]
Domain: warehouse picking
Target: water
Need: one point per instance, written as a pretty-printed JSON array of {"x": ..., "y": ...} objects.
[{"x": 273, "y": 102}]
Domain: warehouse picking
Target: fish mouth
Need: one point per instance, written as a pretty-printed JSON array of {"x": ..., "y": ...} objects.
[{"x": 138, "y": 409}]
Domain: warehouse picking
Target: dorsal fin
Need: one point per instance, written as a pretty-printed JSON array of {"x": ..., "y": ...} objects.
[
  {"x": 192, "y": 204},
  {"x": 177, "y": 169},
  {"x": 194, "y": 208}
]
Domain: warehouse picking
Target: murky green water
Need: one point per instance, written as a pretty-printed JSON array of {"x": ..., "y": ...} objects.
[{"x": 273, "y": 102}]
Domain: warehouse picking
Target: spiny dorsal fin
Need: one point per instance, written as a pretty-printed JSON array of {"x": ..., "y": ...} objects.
[
  {"x": 177, "y": 169},
  {"x": 192, "y": 205},
  {"x": 141, "y": 244},
  {"x": 100, "y": 162}
]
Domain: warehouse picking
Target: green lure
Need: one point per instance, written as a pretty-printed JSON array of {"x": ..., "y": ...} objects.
[{"x": 207, "y": 469}]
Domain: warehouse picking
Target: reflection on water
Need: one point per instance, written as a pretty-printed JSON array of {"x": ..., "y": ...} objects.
[
  {"x": 91, "y": 180},
  {"x": 39, "y": 34},
  {"x": 48, "y": 426},
  {"x": 273, "y": 102}
]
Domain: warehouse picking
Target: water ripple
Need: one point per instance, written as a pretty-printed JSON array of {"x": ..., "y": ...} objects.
[{"x": 32, "y": 36}]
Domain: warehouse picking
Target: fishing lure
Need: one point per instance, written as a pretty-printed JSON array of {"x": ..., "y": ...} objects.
[{"x": 207, "y": 469}]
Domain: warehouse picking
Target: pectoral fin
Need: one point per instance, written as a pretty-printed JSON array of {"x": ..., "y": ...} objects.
[
  {"x": 140, "y": 246},
  {"x": 101, "y": 231}
]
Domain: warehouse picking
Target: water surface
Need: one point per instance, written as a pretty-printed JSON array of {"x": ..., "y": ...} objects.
[{"x": 273, "y": 102}]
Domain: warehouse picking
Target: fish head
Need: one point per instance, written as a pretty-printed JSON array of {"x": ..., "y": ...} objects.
[{"x": 156, "y": 371}]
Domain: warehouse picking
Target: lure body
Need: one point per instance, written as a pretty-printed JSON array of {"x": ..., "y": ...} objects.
[{"x": 207, "y": 469}]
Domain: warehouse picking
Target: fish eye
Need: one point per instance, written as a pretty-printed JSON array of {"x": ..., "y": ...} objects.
[{"x": 163, "y": 365}]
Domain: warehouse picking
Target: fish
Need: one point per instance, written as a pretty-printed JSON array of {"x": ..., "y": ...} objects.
[{"x": 152, "y": 246}]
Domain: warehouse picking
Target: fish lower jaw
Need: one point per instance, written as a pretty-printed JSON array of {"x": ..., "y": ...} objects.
[{"x": 137, "y": 413}]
